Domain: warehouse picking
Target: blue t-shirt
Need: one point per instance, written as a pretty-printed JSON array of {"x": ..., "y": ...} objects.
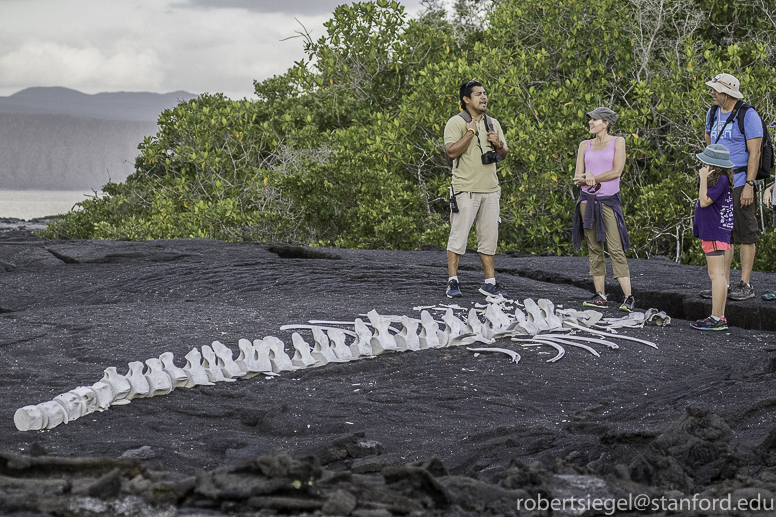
[
  {"x": 734, "y": 140},
  {"x": 715, "y": 222}
]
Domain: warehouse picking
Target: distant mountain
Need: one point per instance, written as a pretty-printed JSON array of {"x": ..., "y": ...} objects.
[
  {"x": 62, "y": 139},
  {"x": 137, "y": 106}
]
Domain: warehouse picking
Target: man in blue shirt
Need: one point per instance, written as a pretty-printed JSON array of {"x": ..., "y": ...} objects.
[{"x": 745, "y": 155}]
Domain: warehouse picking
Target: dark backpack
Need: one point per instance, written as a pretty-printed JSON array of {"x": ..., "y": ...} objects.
[
  {"x": 766, "y": 146},
  {"x": 468, "y": 118}
]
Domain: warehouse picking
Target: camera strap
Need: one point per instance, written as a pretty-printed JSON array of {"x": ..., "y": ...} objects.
[{"x": 488, "y": 127}]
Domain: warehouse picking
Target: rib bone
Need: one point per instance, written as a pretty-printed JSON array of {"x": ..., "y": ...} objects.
[{"x": 511, "y": 353}]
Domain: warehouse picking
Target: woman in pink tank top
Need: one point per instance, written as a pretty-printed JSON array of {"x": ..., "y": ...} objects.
[{"x": 600, "y": 162}]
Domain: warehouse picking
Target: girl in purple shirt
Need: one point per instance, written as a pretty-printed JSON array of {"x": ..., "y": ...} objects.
[{"x": 713, "y": 223}]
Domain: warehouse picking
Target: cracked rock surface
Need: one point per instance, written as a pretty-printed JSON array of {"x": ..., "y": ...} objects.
[{"x": 441, "y": 431}]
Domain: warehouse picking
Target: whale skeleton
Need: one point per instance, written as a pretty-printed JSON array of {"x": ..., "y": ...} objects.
[{"x": 267, "y": 356}]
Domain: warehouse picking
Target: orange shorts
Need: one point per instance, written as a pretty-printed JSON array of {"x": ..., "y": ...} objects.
[{"x": 712, "y": 246}]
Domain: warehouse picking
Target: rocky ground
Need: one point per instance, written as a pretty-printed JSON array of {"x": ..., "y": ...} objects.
[{"x": 433, "y": 432}]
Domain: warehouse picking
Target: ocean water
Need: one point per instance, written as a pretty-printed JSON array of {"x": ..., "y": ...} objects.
[{"x": 31, "y": 204}]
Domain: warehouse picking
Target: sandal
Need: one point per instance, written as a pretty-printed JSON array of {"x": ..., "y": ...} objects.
[{"x": 770, "y": 296}]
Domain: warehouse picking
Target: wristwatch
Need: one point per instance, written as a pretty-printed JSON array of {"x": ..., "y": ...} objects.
[
  {"x": 750, "y": 182},
  {"x": 470, "y": 129}
]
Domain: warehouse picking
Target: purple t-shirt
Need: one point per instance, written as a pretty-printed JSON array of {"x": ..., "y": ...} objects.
[{"x": 715, "y": 222}]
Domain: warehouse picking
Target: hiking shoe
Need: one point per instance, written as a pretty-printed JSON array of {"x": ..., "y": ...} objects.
[
  {"x": 599, "y": 300},
  {"x": 742, "y": 291},
  {"x": 710, "y": 324},
  {"x": 453, "y": 289},
  {"x": 492, "y": 290},
  {"x": 706, "y": 293},
  {"x": 628, "y": 303}
]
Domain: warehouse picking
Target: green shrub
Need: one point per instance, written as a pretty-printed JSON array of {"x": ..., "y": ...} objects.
[{"x": 346, "y": 148}]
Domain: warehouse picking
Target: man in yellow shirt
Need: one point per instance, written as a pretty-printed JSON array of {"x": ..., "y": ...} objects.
[{"x": 475, "y": 142}]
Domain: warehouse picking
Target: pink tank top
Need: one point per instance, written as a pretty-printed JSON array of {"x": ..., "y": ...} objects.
[{"x": 598, "y": 162}]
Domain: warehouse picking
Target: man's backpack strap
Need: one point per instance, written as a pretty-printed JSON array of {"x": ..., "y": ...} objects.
[
  {"x": 468, "y": 118},
  {"x": 729, "y": 119},
  {"x": 767, "y": 158}
]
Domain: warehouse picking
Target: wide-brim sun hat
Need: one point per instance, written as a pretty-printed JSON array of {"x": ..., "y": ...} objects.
[
  {"x": 602, "y": 113},
  {"x": 726, "y": 83},
  {"x": 717, "y": 155}
]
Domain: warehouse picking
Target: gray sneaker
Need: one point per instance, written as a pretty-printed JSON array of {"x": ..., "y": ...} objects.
[
  {"x": 706, "y": 293},
  {"x": 742, "y": 291}
]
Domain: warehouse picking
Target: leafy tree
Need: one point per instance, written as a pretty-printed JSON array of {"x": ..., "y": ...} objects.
[{"x": 346, "y": 148}]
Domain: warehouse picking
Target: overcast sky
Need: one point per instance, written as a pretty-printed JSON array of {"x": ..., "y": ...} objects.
[{"x": 155, "y": 45}]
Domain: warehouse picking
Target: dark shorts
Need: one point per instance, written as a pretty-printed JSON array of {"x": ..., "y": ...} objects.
[{"x": 745, "y": 228}]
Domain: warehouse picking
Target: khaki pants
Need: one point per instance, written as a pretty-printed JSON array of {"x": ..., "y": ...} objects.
[
  {"x": 482, "y": 208},
  {"x": 613, "y": 244}
]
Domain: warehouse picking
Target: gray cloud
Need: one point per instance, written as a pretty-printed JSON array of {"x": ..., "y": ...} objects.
[{"x": 302, "y": 7}]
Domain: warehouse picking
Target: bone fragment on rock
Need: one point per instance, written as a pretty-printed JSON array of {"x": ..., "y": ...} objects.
[
  {"x": 262, "y": 355},
  {"x": 159, "y": 381},
  {"x": 430, "y": 334},
  {"x": 29, "y": 418},
  {"x": 511, "y": 353},
  {"x": 139, "y": 387},
  {"x": 362, "y": 346},
  {"x": 382, "y": 340},
  {"x": 556, "y": 346},
  {"x": 88, "y": 399},
  {"x": 586, "y": 318},
  {"x": 498, "y": 320},
  {"x": 520, "y": 326},
  {"x": 278, "y": 357},
  {"x": 548, "y": 311},
  {"x": 535, "y": 316},
  {"x": 246, "y": 359},
  {"x": 609, "y": 336},
  {"x": 196, "y": 373},
  {"x": 341, "y": 350},
  {"x": 474, "y": 325},
  {"x": 455, "y": 329},
  {"x": 119, "y": 384},
  {"x": 323, "y": 346},
  {"x": 302, "y": 357},
  {"x": 210, "y": 364},
  {"x": 72, "y": 405},
  {"x": 408, "y": 338},
  {"x": 563, "y": 341},
  {"x": 177, "y": 375},
  {"x": 53, "y": 414},
  {"x": 598, "y": 341},
  {"x": 225, "y": 361},
  {"x": 104, "y": 394}
]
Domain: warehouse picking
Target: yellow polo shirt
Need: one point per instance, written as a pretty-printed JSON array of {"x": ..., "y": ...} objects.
[{"x": 469, "y": 174}]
